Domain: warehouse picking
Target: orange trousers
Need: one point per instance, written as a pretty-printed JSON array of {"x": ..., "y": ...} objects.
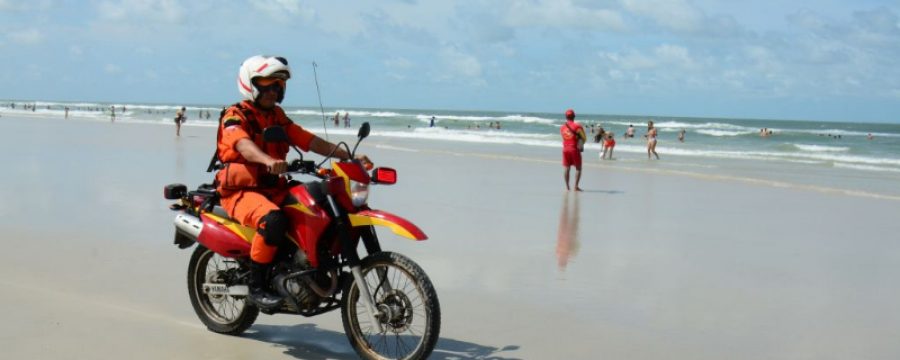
[{"x": 248, "y": 208}]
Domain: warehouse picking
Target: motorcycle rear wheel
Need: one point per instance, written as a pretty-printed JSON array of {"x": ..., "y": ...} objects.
[
  {"x": 224, "y": 314},
  {"x": 403, "y": 291}
]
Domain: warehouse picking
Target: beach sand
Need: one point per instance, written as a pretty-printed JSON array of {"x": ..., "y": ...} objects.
[{"x": 647, "y": 263}]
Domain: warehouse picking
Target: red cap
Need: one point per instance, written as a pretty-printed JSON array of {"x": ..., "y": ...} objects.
[{"x": 570, "y": 114}]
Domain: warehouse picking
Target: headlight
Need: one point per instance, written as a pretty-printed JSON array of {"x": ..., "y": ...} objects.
[{"x": 359, "y": 193}]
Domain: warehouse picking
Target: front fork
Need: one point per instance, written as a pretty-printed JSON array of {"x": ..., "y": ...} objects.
[{"x": 348, "y": 251}]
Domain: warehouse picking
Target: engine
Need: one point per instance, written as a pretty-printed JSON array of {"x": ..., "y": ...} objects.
[{"x": 309, "y": 289}]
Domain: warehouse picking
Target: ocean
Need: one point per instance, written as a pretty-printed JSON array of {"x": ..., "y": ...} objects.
[{"x": 816, "y": 145}]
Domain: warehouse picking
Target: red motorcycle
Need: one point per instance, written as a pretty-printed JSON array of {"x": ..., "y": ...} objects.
[{"x": 389, "y": 307}]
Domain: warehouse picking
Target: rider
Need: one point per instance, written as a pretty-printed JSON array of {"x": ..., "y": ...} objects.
[{"x": 251, "y": 190}]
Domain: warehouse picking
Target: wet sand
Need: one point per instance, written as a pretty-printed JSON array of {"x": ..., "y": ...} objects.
[{"x": 645, "y": 264}]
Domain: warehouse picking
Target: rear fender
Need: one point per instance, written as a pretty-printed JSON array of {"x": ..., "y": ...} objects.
[{"x": 398, "y": 225}]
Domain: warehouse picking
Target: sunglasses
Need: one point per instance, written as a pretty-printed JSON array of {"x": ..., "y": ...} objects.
[{"x": 269, "y": 84}]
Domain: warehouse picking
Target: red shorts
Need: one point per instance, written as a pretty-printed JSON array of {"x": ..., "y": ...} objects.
[{"x": 572, "y": 157}]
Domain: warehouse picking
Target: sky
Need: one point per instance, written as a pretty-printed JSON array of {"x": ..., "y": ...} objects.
[{"x": 805, "y": 60}]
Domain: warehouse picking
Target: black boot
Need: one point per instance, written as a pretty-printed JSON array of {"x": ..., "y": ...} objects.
[{"x": 259, "y": 290}]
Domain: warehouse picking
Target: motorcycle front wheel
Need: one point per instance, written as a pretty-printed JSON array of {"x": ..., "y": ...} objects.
[
  {"x": 224, "y": 314},
  {"x": 410, "y": 312}
]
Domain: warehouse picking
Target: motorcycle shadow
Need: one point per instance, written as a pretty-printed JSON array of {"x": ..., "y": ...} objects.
[{"x": 307, "y": 341}]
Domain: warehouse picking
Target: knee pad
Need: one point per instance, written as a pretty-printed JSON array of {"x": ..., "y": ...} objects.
[{"x": 272, "y": 227}]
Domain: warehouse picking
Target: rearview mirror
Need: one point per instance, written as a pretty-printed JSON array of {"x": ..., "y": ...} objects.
[
  {"x": 275, "y": 134},
  {"x": 363, "y": 131}
]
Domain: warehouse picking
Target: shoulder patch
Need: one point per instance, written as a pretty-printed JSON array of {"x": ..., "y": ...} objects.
[{"x": 231, "y": 122}]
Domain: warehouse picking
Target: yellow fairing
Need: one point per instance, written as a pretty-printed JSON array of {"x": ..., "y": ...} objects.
[
  {"x": 398, "y": 225},
  {"x": 244, "y": 232},
  {"x": 337, "y": 170},
  {"x": 302, "y": 208}
]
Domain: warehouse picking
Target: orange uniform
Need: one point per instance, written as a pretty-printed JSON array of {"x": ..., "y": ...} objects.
[{"x": 248, "y": 192}]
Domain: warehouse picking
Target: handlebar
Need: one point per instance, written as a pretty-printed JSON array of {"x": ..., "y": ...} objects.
[
  {"x": 302, "y": 166},
  {"x": 309, "y": 167}
]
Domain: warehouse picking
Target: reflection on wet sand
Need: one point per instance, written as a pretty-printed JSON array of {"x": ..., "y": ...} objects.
[{"x": 567, "y": 235}]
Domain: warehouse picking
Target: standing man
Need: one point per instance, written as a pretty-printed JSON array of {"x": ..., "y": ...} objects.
[{"x": 572, "y": 133}]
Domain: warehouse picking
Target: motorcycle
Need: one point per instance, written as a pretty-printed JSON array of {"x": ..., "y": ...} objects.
[{"x": 389, "y": 307}]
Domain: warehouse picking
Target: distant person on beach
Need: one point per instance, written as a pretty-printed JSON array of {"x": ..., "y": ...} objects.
[
  {"x": 67, "y": 112},
  {"x": 346, "y": 119},
  {"x": 681, "y": 135},
  {"x": 337, "y": 118},
  {"x": 600, "y": 135},
  {"x": 629, "y": 133},
  {"x": 572, "y": 133},
  {"x": 249, "y": 184},
  {"x": 112, "y": 113},
  {"x": 870, "y": 137},
  {"x": 651, "y": 140},
  {"x": 179, "y": 119},
  {"x": 431, "y": 124},
  {"x": 608, "y": 145}
]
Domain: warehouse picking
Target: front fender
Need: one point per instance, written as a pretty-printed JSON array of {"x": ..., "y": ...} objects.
[{"x": 398, "y": 225}]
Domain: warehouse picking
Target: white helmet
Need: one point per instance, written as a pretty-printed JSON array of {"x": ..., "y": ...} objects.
[{"x": 261, "y": 66}]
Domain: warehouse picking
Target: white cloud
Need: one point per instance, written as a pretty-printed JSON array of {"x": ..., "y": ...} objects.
[
  {"x": 808, "y": 20},
  {"x": 682, "y": 17},
  {"x": 169, "y": 11},
  {"x": 34, "y": 5},
  {"x": 458, "y": 64},
  {"x": 881, "y": 20},
  {"x": 26, "y": 36},
  {"x": 399, "y": 63},
  {"x": 631, "y": 60},
  {"x": 660, "y": 69},
  {"x": 562, "y": 14},
  {"x": 76, "y": 51},
  {"x": 143, "y": 50},
  {"x": 397, "y": 67},
  {"x": 463, "y": 64},
  {"x": 676, "y": 15},
  {"x": 678, "y": 56},
  {"x": 112, "y": 69},
  {"x": 283, "y": 10}
]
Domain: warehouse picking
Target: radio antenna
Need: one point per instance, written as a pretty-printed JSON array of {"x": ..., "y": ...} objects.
[{"x": 316, "y": 77}]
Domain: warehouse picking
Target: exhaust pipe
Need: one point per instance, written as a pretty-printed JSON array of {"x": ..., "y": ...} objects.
[
  {"x": 187, "y": 230},
  {"x": 188, "y": 225}
]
